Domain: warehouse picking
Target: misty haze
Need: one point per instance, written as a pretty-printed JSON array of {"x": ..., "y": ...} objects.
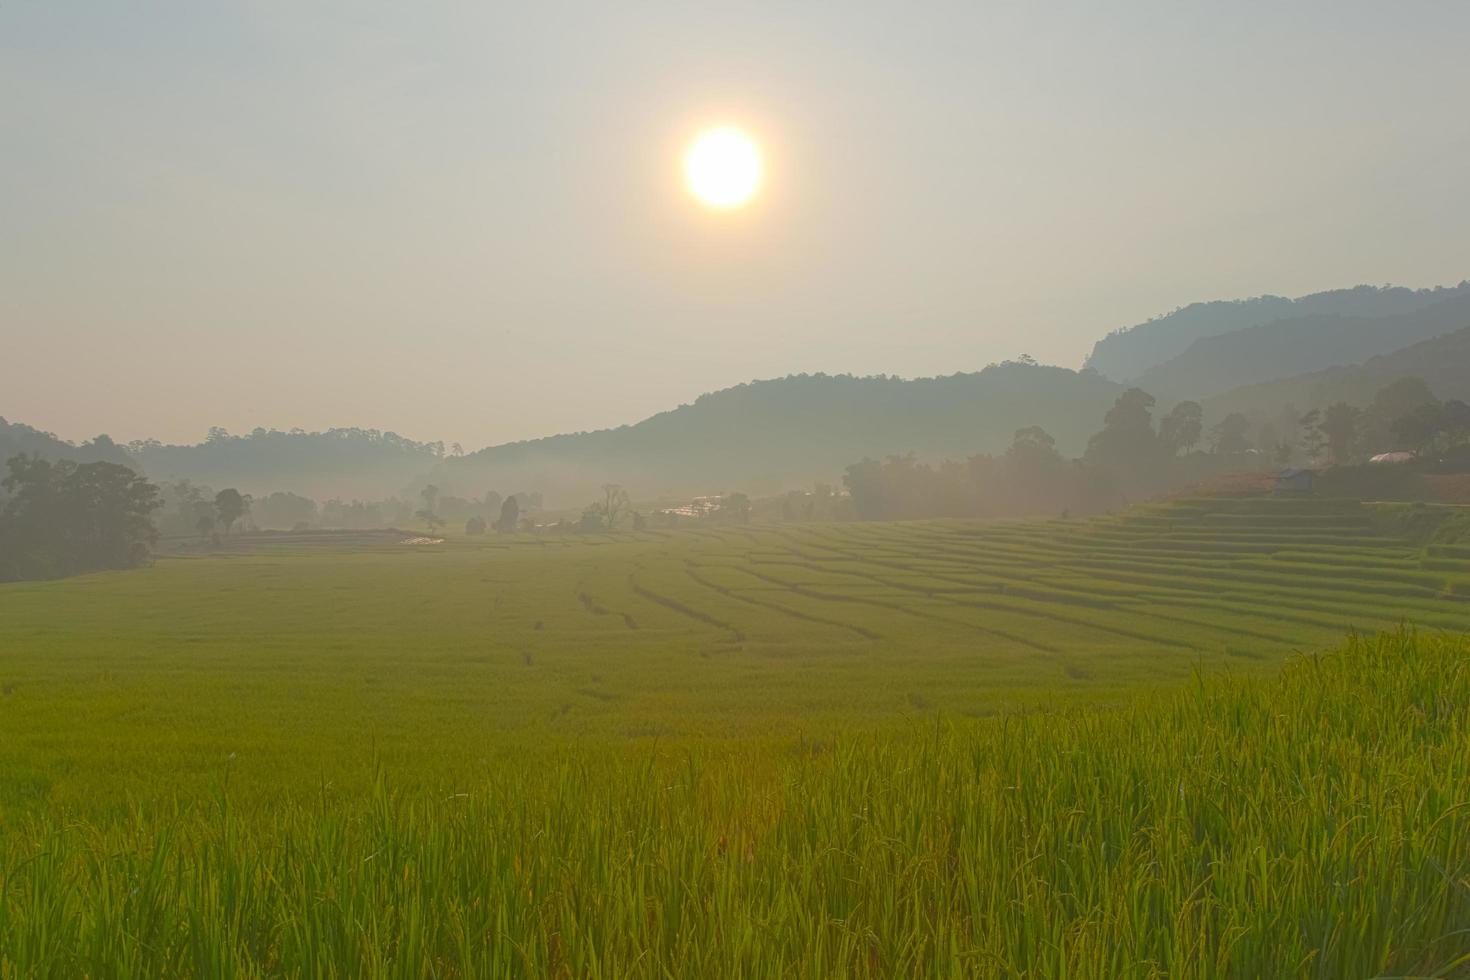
[{"x": 759, "y": 491}]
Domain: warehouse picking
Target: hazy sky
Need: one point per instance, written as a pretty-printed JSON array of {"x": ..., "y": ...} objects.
[{"x": 465, "y": 221}]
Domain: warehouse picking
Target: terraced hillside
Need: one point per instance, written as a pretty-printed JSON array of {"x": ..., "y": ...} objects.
[
  {"x": 759, "y": 751},
  {"x": 1244, "y": 577},
  {"x": 692, "y": 632}
]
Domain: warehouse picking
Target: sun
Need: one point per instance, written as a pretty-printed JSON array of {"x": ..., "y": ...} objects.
[{"x": 722, "y": 168}]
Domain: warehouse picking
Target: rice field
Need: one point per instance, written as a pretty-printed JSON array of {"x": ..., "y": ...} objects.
[{"x": 1062, "y": 748}]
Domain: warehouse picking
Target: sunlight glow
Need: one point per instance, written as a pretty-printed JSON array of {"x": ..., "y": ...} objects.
[{"x": 722, "y": 168}]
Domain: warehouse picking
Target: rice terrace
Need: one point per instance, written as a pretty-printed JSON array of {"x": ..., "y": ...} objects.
[
  {"x": 874, "y": 491},
  {"x": 722, "y": 751}
]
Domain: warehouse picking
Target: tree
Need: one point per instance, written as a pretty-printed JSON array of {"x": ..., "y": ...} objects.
[
  {"x": 1127, "y": 447},
  {"x": 1032, "y": 468},
  {"x": 1399, "y": 398},
  {"x": 1455, "y": 421},
  {"x": 1180, "y": 430},
  {"x": 475, "y": 526},
  {"x": 604, "y": 514},
  {"x": 65, "y": 518},
  {"x": 1127, "y": 437},
  {"x": 1289, "y": 426},
  {"x": 1228, "y": 436},
  {"x": 1032, "y": 448},
  {"x": 187, "y": 509},
  {"x": 510, "y": 515},
  {"x": 282, "y": 510},
  {"x": 1267, "y": 437},
  {"x": 1374, "y": 432},
  {"x": 1313, "y": 441},
  {"x": 614, "y": 503},
  {"x": 1419, "y": 429},
  {"x": 1339, "y": 425},
  {"x": 864, "y": 482},
  {"x": 229, "y": 506},
  {"x": 736, "y": 507},
  {"x": 429, "y": 513}
]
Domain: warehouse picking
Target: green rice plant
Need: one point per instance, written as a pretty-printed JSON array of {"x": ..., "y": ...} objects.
[
  {"x": 935, "y": 748},
  {"x": 1313, "y": 824}
]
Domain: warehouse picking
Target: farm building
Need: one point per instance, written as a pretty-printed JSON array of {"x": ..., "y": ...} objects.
[{"x": 1296, "y": 481}]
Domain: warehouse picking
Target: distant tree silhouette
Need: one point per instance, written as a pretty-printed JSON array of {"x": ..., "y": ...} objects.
[
  {"x": 475, "y": 526},
  {"x": 1394, "y": 401},
  {"x": 429, "y": 513},
  {"x": 864, "y": 481},
  {"x": 510, "y": 515},
  {"x": 1229, "y": 436},
  {"x": 1127, "y": 447},
  {"x": 1033, "y": 446},
  {"x": 1455, "y": 422},
  {"x": 604, "y": 514},
  {"x": 1399, "y": 398},
  {"x": 1338, "y": 426},
  {"x": 735, "y": 507},
  {"x": 282, "y": 510},
  {"x": 1127, "y": 435},
  {"x": 1419, "y": 429},
  {"x": 16, "y": 439},
  {"x": 1180, "y": 430},
  {"x": 1313, "y": 441},
  {"x": 64, "y": 518},
  {"x": 229, "y": 506},
  {"x": 614, "y": 504},
  {"x": 1033, "y": 468}
]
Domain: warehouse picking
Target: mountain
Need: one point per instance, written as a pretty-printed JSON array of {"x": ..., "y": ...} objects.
[
  {"x": 769, "y": 436},
  {"x": 1285, "y": 348},
  {"x": 346, "y": 463},
  {"x": 1126, "y": 354},
  {"x": 16, "y": 438},
  {"x": 1443, "y": 362}
]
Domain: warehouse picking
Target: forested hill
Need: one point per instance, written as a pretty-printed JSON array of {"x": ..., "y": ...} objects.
[
  {"x": 1286, "y": 348},
  {"x": 16, "y": 438},
  {"x": 768, "y": 436},
  {"x": 346, "y": 463},
  {"x": 1443, "y": 362},
  {"x": 1126, "y": 354}
]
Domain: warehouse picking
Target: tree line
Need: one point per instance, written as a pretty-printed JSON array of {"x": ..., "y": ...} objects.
[
  {"x": 1404, "y": 416},
  {"x": 1132, "y": 457},
  {"x": 65, "y": 518},
  {"x": 491, "y": 512}
]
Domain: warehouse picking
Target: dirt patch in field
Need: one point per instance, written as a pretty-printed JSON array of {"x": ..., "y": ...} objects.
[
  {"x": 1449, "y": 488},
  {"x": 1247, "y": 484}
]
